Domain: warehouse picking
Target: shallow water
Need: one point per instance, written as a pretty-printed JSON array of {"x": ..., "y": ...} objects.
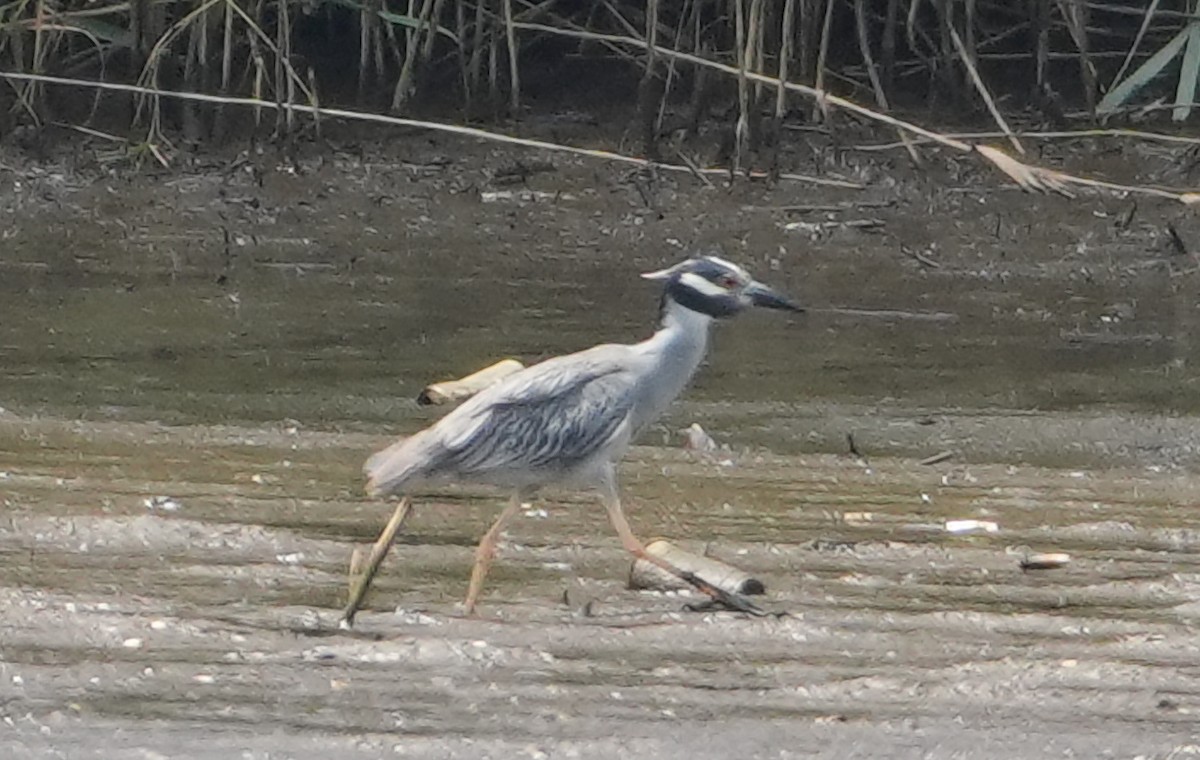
[
  {"x": 239, "y": 347},
  {"x": 334, "y": 291}
]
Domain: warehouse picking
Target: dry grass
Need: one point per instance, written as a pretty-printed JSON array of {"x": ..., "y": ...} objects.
[
  {"x": 215, "y": 54},
  {"x": 252, "y": 46}
]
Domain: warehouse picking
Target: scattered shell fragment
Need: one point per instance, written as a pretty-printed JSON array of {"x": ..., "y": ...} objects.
[
  {"x": 1045, "y": 561},
  {"x": 456, "y": 390},
  {"x": 523, "y": 196},
  {"x": 818, "y": 229},
  {"x": 857, "y": 517},
  {"x": 696, "y": 439},
  {"x": 162, "y": 503},
  {"x": 644, "y": 575},
  {"x": 971, "y": 526},
  {"x": 414, "y": 617}
]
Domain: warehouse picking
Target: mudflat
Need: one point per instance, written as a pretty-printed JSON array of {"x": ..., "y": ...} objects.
[{"x": 193, "y": 368}]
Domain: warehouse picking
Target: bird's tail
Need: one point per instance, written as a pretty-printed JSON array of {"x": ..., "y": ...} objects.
[{"x": 389, "y": 470}]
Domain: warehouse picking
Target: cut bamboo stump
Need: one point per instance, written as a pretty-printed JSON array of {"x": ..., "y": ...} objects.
[
  {"x": 457, "y": 390},
  {"x": 644, "y": 575},
  {"x": 363, "y": 572}
]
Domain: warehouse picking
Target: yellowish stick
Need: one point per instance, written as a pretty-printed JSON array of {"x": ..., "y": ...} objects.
[{"x": 455, "y": 390}]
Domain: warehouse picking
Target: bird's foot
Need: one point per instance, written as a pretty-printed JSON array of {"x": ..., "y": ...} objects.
[
  {"x": 722, "y": 599},
  {"x": 737, "y": 604},
  {"x": 346, "y": 621}
]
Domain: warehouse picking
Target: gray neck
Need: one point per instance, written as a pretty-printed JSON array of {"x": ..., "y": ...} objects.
[{"x": 677, "y": 349}]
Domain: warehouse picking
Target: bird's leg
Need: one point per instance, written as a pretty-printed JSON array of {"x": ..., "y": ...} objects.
[
  {"x": 486, "y": 551},
  {"x": 616, "y": 515},
  {"x": 359, "y": 585}
]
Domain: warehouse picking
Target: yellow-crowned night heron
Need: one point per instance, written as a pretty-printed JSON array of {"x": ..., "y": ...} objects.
[{"x": 568, "y": 420}]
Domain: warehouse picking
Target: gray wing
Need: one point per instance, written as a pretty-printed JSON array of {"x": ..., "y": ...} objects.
[
  {"x": 555, "y": 415},
  {"x": 549, "y": 417}
]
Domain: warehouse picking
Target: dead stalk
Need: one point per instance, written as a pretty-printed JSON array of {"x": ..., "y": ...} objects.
[
  {"x": 412, "y": 54},
  {"x": 888, "y": 45},
  {"x": 1077, "y": 16},
  {"x": 685, "y": 13},
  {"x": 514, "y": 76},
  {"x": 983, "y": 92},
  {"x": 367, "y": 20},
  {"x": 864, "y": 45},
  {"x": 226, "y": 65},
  {"x": 460, "y": 29},
  {"x": 475, "y": 65},
  {"x": 742, "y": 128},
  {"x": 787, "y": 33},
  {"x": 283, "y": 83},
  {"x": 1137, "y": 41},
  {"x": 494, "y": 71},
  {"x": 756, "y": 52},
  {"x": 647, "y": 102},
  {"x": 822, "y": 57}
]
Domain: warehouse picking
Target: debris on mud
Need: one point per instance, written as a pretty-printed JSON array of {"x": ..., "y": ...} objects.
[
  {"x": 1045, "y": 561},
  {"x": 697, "y": 439},
  {"x": 162, "y": 504},
  {"x": 960, "y": 527},
  {"x": 645, "y": 575},
  {"x": 456, "y": 390}
]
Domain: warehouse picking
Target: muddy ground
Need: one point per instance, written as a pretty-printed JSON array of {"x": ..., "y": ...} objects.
[{"x": 194, "y": 364}]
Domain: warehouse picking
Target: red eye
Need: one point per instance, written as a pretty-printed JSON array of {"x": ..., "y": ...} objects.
[{"x": 728, "y": 282}]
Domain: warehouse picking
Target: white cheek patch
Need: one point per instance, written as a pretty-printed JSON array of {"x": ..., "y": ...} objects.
[{"x": 701, "y": 285}]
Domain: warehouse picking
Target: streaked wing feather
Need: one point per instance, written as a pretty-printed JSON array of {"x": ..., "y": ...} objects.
[{"x": 555, "y": 414}]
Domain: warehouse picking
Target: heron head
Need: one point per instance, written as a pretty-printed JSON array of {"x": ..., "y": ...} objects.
[{"x": 716, "y": 287}]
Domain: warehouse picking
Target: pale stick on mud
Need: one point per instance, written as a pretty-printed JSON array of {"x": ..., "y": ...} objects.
[
  {"x": 644, "y": 575},
  {"x": 361, "y": 577},
  {"x": 457, "y": 390},
  {"x": 1045, "y": 561}
]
